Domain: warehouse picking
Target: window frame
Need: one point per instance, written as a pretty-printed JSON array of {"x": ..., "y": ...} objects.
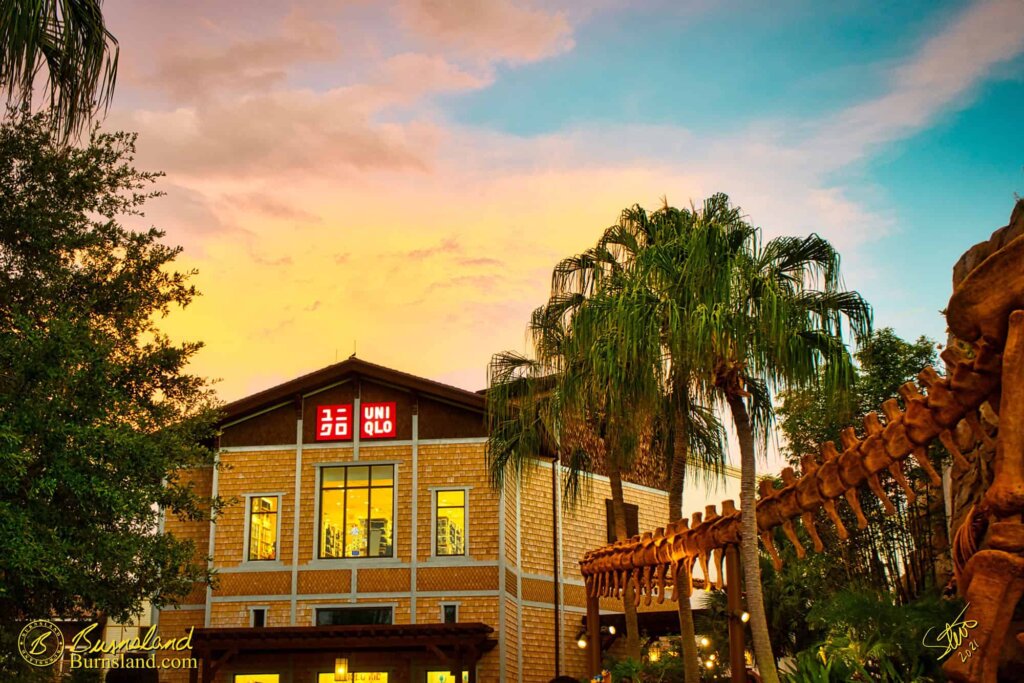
[
  {"x": 450, "y": 604},
  {"x": 357, "y": 605},
  {"x": 318, "y": 556},
  {"x": 434, "y": 490},
  {"x": 248, "y": 527},
  {"x": 252, "y": 615}
]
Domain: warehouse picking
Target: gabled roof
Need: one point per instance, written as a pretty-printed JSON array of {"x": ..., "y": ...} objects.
[{"x": 351, "y": 368}]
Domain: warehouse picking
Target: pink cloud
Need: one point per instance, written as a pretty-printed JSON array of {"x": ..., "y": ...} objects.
[
  {"x": 488, "y": 29},
  {"x": 274, "y": 133},
  {"x": 266, "y": 205},
  {"x": 447, "y": 246},
  {"x": 194, "y": 69}
]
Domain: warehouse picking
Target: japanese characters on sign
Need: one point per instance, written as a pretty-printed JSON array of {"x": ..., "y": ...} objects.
[{"x": 334, "y": 422}]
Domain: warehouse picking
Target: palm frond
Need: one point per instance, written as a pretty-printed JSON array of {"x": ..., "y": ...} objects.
[{"x": 69, "y": 41}]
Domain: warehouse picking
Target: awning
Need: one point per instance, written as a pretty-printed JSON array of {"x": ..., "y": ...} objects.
[{"x": 459, "y": 645}]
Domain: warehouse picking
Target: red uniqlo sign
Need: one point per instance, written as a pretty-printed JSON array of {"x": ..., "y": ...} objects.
[
  {"x": 334, "y": 423},
  {"x": 378, "y": 421}
]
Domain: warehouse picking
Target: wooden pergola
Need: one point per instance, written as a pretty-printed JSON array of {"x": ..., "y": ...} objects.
[
  {"x": 986, "y": 315},
  {"x": 460, "y": 646}
]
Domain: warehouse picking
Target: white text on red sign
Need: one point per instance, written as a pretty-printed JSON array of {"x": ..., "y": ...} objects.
[
  {"x": 378, "y": 421},
  {"x": 334, "y": 423}
]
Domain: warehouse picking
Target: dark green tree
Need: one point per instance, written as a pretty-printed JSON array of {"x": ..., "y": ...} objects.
[
  {"x": 906, "y": 552},
  {"x": 97, "y": 413}
]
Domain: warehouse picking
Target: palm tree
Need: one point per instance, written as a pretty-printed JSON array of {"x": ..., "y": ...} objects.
[
  {"x": 626, "y": 299},
  {"x": 764, "y": 317},
  {"x": 561, "y": 396},
  {"x": 67, "y": 41}
]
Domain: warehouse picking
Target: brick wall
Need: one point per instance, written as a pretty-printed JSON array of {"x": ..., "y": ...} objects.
[{"x": 523, "y": 559}]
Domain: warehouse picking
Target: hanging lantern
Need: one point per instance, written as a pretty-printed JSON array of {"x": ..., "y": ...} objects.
[{"x": 341, "y": 672}]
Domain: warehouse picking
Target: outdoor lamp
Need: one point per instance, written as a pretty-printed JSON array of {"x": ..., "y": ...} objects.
[
  {"x": 581, "y": 643},
  {"x": 341, "y": 672},
  {"x": 611, "y": 630},
  {"x": 745, "y": 617}
]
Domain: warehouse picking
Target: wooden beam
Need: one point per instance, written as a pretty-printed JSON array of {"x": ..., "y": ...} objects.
[
  {"x": 734, "y": 589},
  {"x": 594, "y": 634}
]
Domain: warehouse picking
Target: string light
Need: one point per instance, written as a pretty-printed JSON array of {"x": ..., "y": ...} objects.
[
  {"x": 704, "y": 642},
  {"x": 745, "y": 617}
]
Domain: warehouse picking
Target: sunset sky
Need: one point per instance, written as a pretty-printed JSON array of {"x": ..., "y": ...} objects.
[{"x": 401, "y": 176}]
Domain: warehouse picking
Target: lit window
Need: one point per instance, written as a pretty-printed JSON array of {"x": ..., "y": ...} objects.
[
  {"x": 263, "y": 528},
  {"x": 445, "y": 677},
  {"x": 451, "y": 523},
  {"x": 257, "y": 678},
  {"x": 356, "y": 511}
]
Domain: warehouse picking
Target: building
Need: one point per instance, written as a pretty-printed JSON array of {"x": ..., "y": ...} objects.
[{"x": 365, "y": 527}]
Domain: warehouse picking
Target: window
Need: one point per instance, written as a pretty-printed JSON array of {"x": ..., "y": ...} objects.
[
  {"x": 349, "y": 616},
  {"x": 259, "y": 617},
  {"x": 632, "y": 525},
  {"x": 257, "y": 678},
  {"x": 451, "y": 523},
  {"x": 262, "y": 528},
  {"x": 445, "y": 677},
  {"x": 449, "y": 613},
  {"x": 357, "y": 508}
]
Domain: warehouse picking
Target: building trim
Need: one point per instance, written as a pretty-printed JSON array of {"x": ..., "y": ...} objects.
[
  {"x": 457, "y": 561},
  {"x": 252, "y": 415},
  {"x": 313, "y": 597},
  {"x": 296, "y": 517},
  {"x": 414, "y": 532},
  {"x": 519, "y": 579},
  {"x": 502, "y": 642},
  {"x": 357, "y": 424},
  {"x": 376, "y": 443},
  {"x": 329, "y": 563},
  {"x": 559, "y": 566},
  {"x": 213, "y": 533},
  {"x": 325, "y": 388}
]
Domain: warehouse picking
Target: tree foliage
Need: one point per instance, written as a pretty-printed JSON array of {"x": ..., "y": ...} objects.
[
  {"x": 98, "y": 416},
  {"x": 896, "y": 552}
]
